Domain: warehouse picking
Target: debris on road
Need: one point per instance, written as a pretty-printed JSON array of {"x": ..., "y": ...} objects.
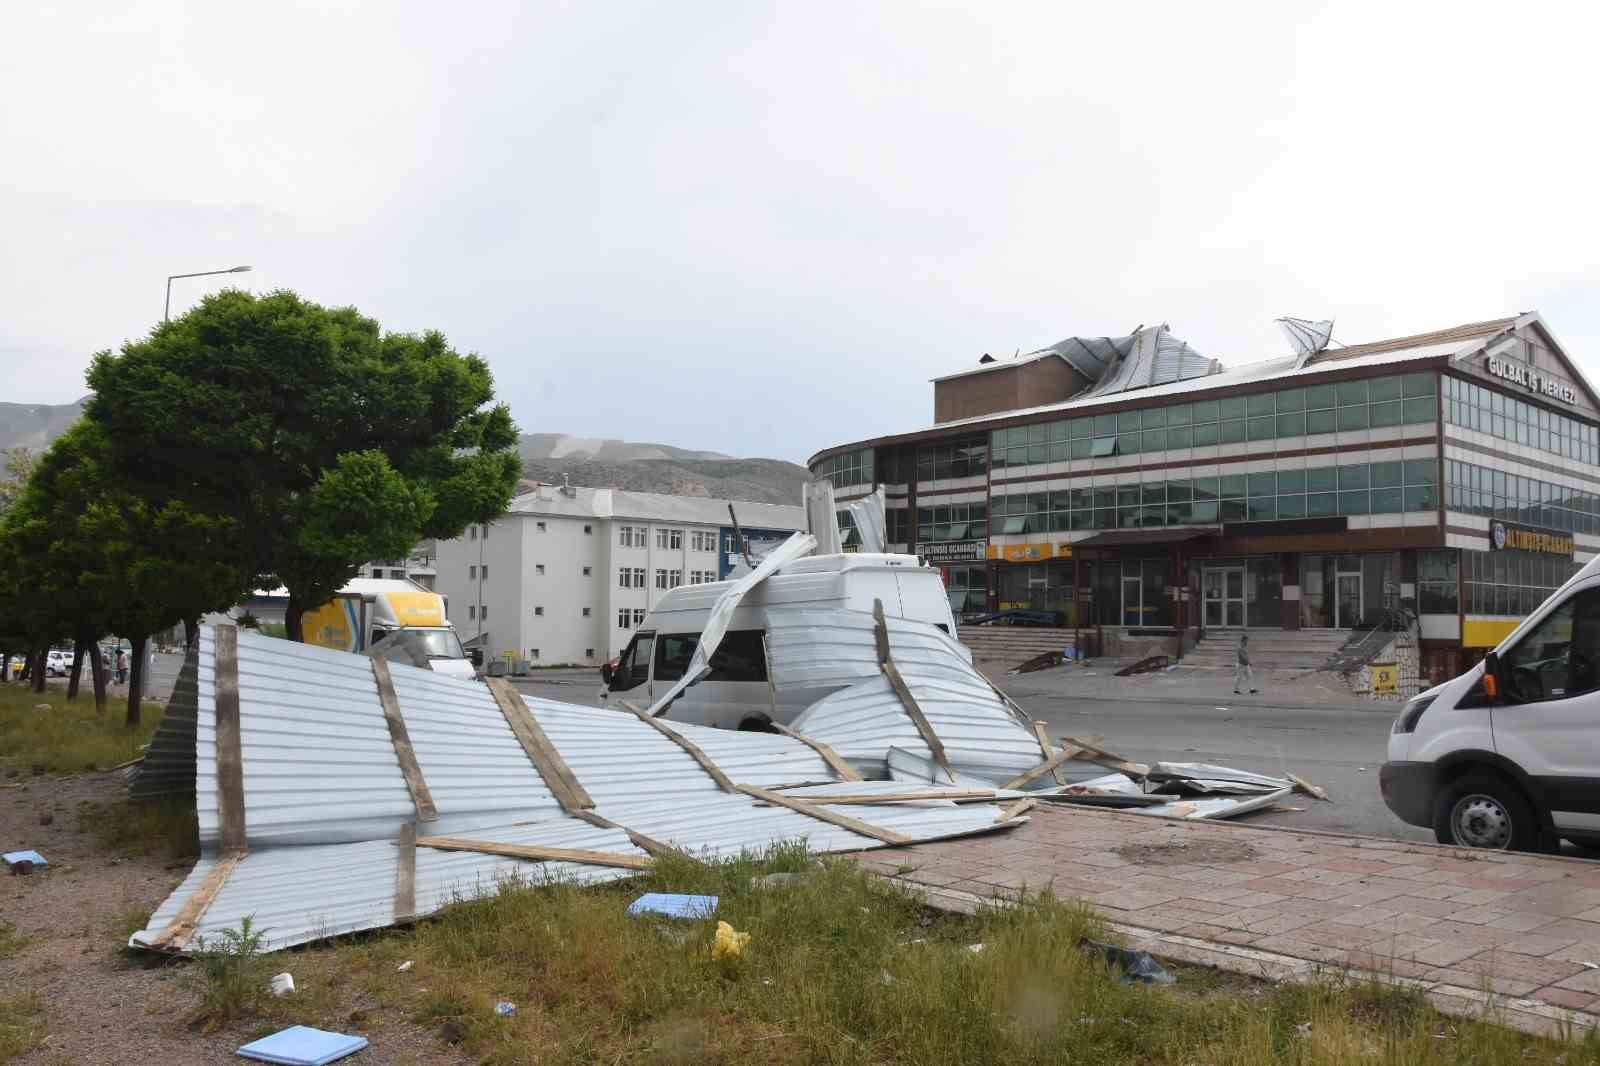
[
  {"x": 282, "y": 984},
  {"x": 1149, "y": 664},
  {"x": 23, "y": 862},
  {"x": 505, "y": 1008}
]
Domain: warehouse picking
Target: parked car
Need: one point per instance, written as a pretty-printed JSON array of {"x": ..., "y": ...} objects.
[
  {"x": 1508, "y": 754},
  {"x": 58, "y": 662}
]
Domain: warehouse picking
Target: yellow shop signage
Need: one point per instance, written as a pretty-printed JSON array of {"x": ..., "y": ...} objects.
[
  {"x": 1517, "y": 538},
  {"x": 1029, "y": 553}
]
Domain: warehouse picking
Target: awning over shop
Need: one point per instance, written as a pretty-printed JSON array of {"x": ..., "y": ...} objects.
[{"x": 1130, "y": 537}]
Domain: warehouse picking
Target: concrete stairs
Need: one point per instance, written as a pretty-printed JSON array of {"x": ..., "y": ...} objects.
[
  {"x": 1270, "y": 649},
  {"x": 1003, "y": 647}
]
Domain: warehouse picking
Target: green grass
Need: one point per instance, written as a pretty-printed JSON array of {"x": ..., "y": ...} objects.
[
  {"x": 10, "y": 940},
  {"x": 843, "y": 969},
  {"x": 229, "y": 976},
  {"x": 166, "y": 827},
  {"x": 67, "y": 738},
  {"x": 21, "y": 1024}
]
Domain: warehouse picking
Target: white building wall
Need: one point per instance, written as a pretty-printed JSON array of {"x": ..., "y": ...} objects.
[
  {"x": 460, "y": 580},
  {"x": 561, "y": 606}
]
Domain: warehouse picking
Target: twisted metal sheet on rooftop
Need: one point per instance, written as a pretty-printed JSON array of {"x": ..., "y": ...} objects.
[{"x": 325, "y": 797}]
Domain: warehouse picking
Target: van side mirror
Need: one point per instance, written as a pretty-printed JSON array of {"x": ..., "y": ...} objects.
[
  {"x": 1491, "y": 675},
  {"x": 476, "y": 655}
]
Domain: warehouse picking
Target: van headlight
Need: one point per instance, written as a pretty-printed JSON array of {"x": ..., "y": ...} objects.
[{"x": 1407, "y": 722}]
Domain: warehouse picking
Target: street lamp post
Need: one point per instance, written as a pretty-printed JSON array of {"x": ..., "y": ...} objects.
[{"x": 167, "y": 311}]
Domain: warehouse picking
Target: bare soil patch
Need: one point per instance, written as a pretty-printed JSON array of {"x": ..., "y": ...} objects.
[{"x": 1187, "y": 853}]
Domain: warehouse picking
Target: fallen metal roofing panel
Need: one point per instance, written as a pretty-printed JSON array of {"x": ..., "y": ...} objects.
[
  {"x": 821, "y": 650},
  {"x": 167, "y": 768},
  {"x": 325, "y": 797}
]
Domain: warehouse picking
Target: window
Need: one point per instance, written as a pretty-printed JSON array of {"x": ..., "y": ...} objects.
[
  {"x": 1561, "y": 657},
  {"x": 472, "y": 572},
  {"x": 483, "y": 612},
  {"x": 851, "y": 468},
  {"x": 472, "y": 532},
  {"x": 661, "y": 538},
  {"x": 588, "y": 570},
  {"x": 1478, "y": 408},
  {"x": 483, "y": 571},
  {"x": 588, "y": 653},
  {"x": 483, "y": 531},
  {"x": 702, "y": 540},
  {"x": 377, "y": 572},
  {"x": 1436, "y": 582},
  {"x": 638, "y": 577},
  {"x": 538, "y": 569},
  {"x": 624, "y": 619},
  {"x": 661, "y": 580},
  {"x": 673, "y": 652},
  {"x": 540, "y": 526},
  {"x": 472, "y": 612},
  {"x": 533, "y": 653},
  {"x": 675, "y": 539},
  {"x": 633, "y": 665},
  {"x": 586, "y": 612},
  {"x": 675, "y": 578},
  {"x": 588, "y": 530},
  {"x": 625, "y": 537},
  {"x": 538, "y": 612},
  {"x": 638, "y": 617}
]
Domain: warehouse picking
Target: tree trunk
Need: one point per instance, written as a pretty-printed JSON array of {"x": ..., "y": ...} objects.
[
  {"x": 39, "y": 661},
  {"x": 27, "y": 665},
  {"x": 97, "y": 671},
  {"x": 191, "y": 633},
  {"x": 80, "y": 648},
  {"x": 5, "y": 665},
  {"x": 291, "y": 619},
  {"x": 136, "y": 668}
]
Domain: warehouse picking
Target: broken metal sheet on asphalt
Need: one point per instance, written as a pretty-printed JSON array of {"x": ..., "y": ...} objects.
[
  {"x": 1205, "y": 777},
  {"x": 325, "y": 797},
  {"x": 1218, "y": 807}
]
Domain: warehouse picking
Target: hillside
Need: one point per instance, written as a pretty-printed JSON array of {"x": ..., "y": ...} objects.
[
  {"x": 756, "y": 480},
  {"x": 35, "y": 425},
  {"x": 564, "y": 447}
]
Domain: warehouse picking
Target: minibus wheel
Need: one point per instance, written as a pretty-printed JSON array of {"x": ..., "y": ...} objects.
[{"x": 1484, "y": 810}]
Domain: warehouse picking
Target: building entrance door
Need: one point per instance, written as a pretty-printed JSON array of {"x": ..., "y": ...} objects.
[
  {"x": 1224, "y": 597},
  {"x": 1348, "y": 601}
]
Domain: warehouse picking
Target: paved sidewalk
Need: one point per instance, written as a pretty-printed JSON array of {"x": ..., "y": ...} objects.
[
  {"x": 1520, "y": 933},
  {"x": 1097, "y": 681}
]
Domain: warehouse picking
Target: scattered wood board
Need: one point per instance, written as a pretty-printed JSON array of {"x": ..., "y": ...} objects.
[
  {"x": 537, "y": 853},
  {"x": 888, "y": 836},
  {"x": 558, "y": 776}
]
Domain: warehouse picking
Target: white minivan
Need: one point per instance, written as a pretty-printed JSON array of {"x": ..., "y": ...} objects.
[
  {"x": 1508, "y": 754},
  {"x": 738, "y": 693}
]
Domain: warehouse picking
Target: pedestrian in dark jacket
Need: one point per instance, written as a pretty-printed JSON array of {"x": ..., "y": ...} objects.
[{"x": 1241, "y": 669}]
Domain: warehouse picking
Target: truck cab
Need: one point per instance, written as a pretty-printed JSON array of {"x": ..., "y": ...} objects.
[
  {"x": 376, "y": 615},
  {"x": 738, "y": 693}
]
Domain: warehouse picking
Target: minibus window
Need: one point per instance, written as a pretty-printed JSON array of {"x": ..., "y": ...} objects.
[
  {"x": 1559, "y": 658},
  {"x": 673, "y": 652},
  {"x": 740, "y": 657},
  {"x": 633, "y": 665},
  {"x": 641, "y": 658}
]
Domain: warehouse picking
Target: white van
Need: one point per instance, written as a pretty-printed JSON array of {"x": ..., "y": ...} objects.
[
  {"x": 737, "y": 693},
  {"x": 1508, "y": 754}
]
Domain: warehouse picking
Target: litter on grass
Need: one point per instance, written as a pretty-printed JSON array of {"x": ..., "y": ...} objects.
[
  {"x": 1136, "y": 966},
  {"x": 301, "y": 1045},
  {"x": 729, "y": 942},
  {"x": 673, "y": 905},
  {"x": 14, "y": 859}
]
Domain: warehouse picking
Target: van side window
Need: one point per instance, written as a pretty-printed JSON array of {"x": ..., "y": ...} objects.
[
  {"x": 673, "y": 652},
  {"x": 740, "y": 657},
  {"x": 633, "y": 665},
  {"x": 1560, "y": 658}
]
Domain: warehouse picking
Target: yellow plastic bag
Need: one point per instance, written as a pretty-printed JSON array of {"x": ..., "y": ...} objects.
[{"x": 729, "y": 943}]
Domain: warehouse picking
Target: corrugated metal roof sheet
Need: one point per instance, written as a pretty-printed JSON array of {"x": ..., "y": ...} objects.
[
  {"x": 325, "y": 797},
  {"x": 167, "y": 768},
  {"x": 1444, "y": 339},
  {"x": 655, "y": 507}
]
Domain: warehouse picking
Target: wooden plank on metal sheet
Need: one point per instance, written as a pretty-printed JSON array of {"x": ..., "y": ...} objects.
[
  {"x": 181, "y": 929},
  {"x": 778, "y": 799},
  {"x": 640, "y": 841},
  {"x": 558, "y": 776},
  {"x": 410, "y": 769},
  {"x": 1044, "y": 749},
  {"x": 1109, "y": 760},
  {"x": 880, "y": 630},
  {"x": 723, "y": 781},
  {"x": 1023, "y": 779},
  {"x": 835, "y": 763},
  {"x": 405, "y": 875},
  {"x": 230, "y": 758},
  {"x": 537, "y": 853},
  {"x": 1016, "y": 810},
  {"x": 954, "y": 795}
]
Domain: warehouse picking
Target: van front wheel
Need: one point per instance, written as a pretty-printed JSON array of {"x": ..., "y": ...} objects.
[
  {"x": 1484, "y": 810},
  {"x": 756, "y": 725}
]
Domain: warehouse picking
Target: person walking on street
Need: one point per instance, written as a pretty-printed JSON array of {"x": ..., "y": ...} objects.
[
  {"x": 122, "y": 666},
  {"x": 1241, "y": 669}
]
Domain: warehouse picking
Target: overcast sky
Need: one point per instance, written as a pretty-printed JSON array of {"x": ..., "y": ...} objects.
[{"x": 760, "y": 229}]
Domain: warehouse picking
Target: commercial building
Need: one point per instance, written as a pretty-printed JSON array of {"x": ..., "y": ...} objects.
[
  {"x": 1132, "y": 482},
  {"x": 567, "y": 573}
]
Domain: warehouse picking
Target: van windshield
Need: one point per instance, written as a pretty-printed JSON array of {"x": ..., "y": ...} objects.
[{"x": 439, "y": 643}]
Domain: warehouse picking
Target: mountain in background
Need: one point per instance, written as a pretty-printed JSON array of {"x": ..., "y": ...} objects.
[
  {"x": 593, "y": 462},
  {"x": 35, "y": 425}
]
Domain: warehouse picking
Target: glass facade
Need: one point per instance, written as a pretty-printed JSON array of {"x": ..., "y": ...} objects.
[
  {"x": 849, "y": 468},
  {"x": 946, "y": 459},
  {"x": 1438, "y": 575},
  {"x": 1403, "y": 399},
  {"x": 1472, "y": 406},
  {"x": 966, "y": 588},
  {"x": 1348, "y": 591},
  {"x": 953, "y": 521},
  {"x": 1353, "y": 489},
  {"x": 1510, "y": 582},
  {"x": 1491, "y": 493}
]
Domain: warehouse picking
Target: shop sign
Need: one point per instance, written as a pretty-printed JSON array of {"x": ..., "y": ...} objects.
[
  {"x": 1532, "y": 380},
  {"x": 1385, "y": 677},
  {"x": 952, "y": 551},
  {"x": 1029, "y": 553},
  {"x": 1503, "y": 537}
]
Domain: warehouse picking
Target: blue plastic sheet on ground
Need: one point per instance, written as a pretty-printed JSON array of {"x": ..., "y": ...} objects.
[
  {"x": 13, "y": 857},
  {"x": 1136, "y": 966},
  {"x": 302, "y": 1045},
  {"x": 674, "y": 905}
]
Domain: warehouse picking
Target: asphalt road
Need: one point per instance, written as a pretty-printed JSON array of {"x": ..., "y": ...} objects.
[{"x": 1338, "y": 748}]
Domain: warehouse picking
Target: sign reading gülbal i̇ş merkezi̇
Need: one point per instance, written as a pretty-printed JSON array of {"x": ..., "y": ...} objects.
[
  {"x": 1503, "y": 536},
  {"x": 1531, "y": 379}
]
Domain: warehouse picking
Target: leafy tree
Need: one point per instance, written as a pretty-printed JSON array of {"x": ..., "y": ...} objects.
[
  {"x": 330, "y": 441},
  {"x": 19, "y": 463}
]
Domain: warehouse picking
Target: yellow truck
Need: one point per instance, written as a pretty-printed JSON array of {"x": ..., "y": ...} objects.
[{"x": 368, "y": 612}]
